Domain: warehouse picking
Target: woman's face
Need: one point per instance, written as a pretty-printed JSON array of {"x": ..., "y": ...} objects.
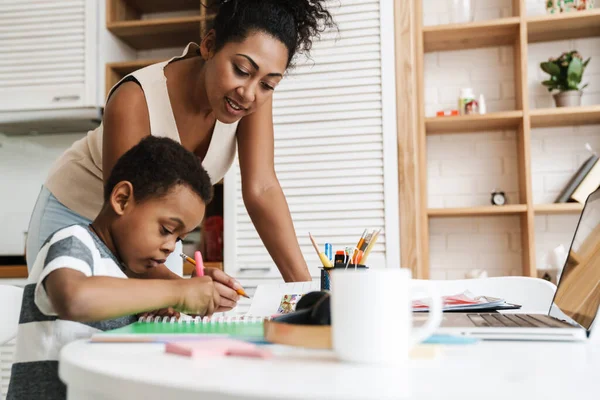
[{"x": 242, "y": 76}]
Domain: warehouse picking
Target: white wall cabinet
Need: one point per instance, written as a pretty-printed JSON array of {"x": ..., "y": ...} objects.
[
  {"x": 52, "y": 54},
  {"x": 46, "y": 59}
]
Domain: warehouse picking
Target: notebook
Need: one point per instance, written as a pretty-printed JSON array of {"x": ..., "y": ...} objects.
[
  {"x": 185, "y": 328},
  {"x": 268, "y": 299}
]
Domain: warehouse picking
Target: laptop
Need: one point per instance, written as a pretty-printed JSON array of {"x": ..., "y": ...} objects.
[{"x": 575, "y": 303}]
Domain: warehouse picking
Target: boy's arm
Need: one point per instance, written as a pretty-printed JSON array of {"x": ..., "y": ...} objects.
[
  {"x": 159, "y": 272},
  {"x": 77, "y": 297},
  {"x": 225, "y": 284}
]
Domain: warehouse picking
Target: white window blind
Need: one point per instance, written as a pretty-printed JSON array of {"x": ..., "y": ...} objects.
[
  {"x": 42, "y": 52},
  {"x": 335, "y": 145}
]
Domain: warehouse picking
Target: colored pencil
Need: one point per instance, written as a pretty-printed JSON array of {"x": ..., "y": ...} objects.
[
  {"x": 324, "y": 260},
  {"x": 189, "y": 259}
]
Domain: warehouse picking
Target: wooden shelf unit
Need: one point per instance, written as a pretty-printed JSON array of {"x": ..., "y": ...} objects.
[
  {"x": 158, "y": 33},
  {"x": 474, "y": 123},
  {"x": 127, "y": 20},
  {"x": 565, "y": 116},
  {"x": 500, "y": 32},
  {"x": 509, "y": 209},
  {"x": 548, "y": 28},
  {"x": 506, "y": 31},
  {"x": 138, "y": 7},
  {"x": 117, "y": 71},
  {"x": 540, "y": 118},
  {"x": 561, "y": 208},
  {"x": 518, "y": 31}
]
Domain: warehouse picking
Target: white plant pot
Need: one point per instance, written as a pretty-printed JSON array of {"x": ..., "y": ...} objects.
[{"x": 570, "y": 98}]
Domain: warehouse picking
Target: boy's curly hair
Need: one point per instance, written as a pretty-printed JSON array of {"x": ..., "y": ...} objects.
[
  {"x": 155, "y": 165},
  {"x": 293, "y": 22}
]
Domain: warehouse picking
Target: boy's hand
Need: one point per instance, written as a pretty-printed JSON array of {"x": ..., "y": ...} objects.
[
  {"x": 198, "y": 296},
  {"x": 163, "y": 312},
  {"x": 225, "y": 285}
]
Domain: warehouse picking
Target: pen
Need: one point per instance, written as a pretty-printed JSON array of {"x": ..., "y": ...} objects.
[{"x": 189, "y": 259}]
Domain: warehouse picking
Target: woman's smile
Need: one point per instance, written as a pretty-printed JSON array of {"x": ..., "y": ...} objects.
[{"x": 234, "y": 108}]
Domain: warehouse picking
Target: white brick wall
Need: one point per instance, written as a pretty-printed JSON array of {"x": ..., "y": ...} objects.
[
  {"x": 436, "y": 12},
  {"x": 458, "y": 245},
  {"x": 463, "y": 169}
]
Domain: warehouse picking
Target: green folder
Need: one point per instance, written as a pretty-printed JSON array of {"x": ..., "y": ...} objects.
[{"x": 168, "y": 331}]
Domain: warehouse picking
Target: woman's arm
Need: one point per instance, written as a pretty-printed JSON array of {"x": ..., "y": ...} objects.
[
  {"x": 125, "y": 122},
  {"x": 263, "y": 196}
]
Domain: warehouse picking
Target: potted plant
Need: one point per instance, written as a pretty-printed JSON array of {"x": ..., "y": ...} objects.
[{"x": 565, "y": 72}]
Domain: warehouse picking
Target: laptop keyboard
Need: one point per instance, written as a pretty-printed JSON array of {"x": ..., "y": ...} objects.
[{"x": 515, "y": 321}]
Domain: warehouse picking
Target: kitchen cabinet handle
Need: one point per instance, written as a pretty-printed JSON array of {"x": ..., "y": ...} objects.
[
  {"x": 65, "y": 98},
  {"x": 264, "y": 269}
]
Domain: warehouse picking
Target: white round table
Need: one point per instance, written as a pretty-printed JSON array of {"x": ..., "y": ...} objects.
[{"x": 486, "y": 370}]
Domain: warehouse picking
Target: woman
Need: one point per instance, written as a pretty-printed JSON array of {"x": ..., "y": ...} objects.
[{"x": 215, "y": 96}]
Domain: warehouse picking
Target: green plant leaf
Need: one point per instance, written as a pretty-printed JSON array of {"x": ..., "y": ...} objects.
[
  {"x": 551, "y": 84},
  {"x": 586, "y": 62},
  {"x": 575, "y": 71},
  {"x": 584, "y": 86},
  {"x": 550, "y": 68},
  {"x": 573, "y": 85}
]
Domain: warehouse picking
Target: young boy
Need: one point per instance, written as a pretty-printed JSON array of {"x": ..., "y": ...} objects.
[{"x": 155, "y": 195}]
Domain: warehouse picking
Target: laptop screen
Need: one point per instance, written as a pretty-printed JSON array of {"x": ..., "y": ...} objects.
[{"x": 578, "y": 294}]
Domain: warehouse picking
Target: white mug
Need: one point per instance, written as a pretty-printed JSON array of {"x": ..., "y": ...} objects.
[{"x": 371, "y": 315}]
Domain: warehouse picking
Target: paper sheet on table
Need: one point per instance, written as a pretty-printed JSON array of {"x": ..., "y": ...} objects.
[{"x": 268, "y": 297}]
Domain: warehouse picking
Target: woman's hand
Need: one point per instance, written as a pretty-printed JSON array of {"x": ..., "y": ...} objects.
[{"x": 225, "y": 285}]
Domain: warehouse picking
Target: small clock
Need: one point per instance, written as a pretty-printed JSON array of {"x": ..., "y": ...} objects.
[{"x": 498, "y": 198}]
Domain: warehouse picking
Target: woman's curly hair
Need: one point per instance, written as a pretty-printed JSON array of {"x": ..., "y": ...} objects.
[{"x": 293, "y": 22}]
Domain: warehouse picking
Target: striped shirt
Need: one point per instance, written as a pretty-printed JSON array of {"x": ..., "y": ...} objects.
[{"x": 42, "y": 334}]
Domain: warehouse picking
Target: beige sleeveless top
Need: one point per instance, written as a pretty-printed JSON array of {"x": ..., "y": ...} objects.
[{"x": 75, "y": 179}]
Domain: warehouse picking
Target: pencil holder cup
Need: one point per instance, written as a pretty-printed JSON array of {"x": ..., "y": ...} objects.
[{"x": 326, "y": 273}]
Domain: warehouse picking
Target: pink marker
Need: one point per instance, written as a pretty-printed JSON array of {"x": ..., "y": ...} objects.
[{"x": 199, "y": 264}]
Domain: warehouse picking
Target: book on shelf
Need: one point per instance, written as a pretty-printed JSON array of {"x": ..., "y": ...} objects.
[
  {"x": 589, "y": 184},
  {"x": 584, "y": 182}
]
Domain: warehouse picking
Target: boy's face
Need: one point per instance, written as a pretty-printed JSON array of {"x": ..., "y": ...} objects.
[{"x": 145, "y": 232}]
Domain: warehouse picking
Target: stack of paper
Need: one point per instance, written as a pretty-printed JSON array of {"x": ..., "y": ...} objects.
[{"x": 465, "y": 301}]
